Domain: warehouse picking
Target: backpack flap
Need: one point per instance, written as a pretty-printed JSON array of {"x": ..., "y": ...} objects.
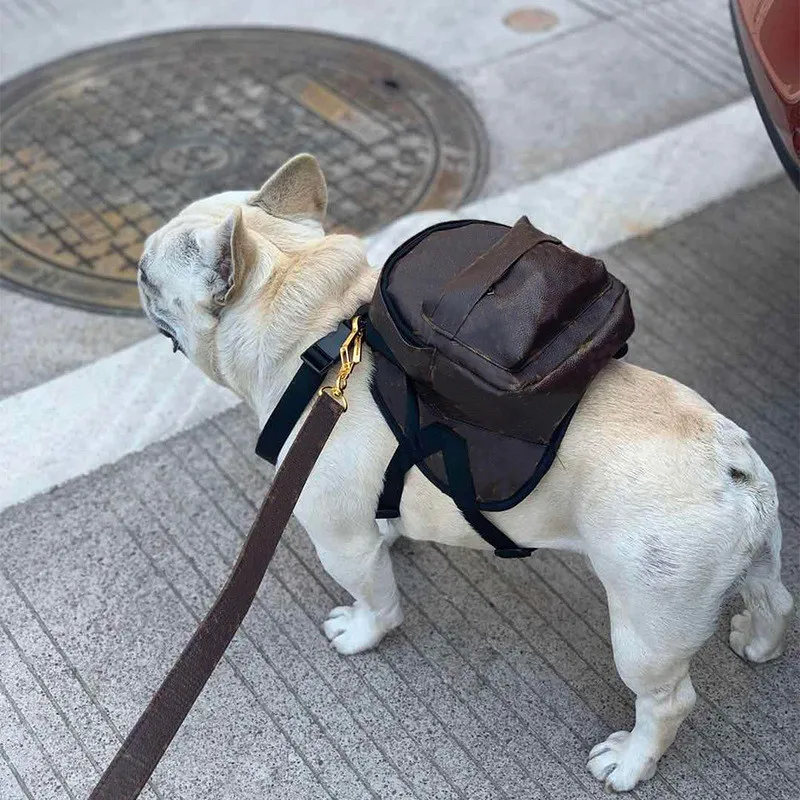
[{"x": 459, "y": 296}]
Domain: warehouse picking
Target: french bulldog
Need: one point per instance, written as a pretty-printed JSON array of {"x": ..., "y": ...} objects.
[{"x": 665, "y": 496}]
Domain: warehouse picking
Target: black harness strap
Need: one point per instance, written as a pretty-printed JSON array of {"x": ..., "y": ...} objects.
[
  {"x": 393, "y": 481},
  {"x": 406, "y": 455},
  {"x": 414, "y": 447},
  {"x": 317, "y": 360},
  {"x": 439, "y": 438}
]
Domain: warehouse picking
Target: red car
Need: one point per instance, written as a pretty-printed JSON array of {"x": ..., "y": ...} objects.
[{"x": 768, "y": 35}]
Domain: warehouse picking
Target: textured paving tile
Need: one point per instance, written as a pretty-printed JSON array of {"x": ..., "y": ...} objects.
[
  {"x": 697, "y": 34},
  {"x": 501, "y": 677}
]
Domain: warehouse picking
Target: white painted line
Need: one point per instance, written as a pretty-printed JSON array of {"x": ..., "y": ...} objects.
[
  {"x": 74, "y": 424},
  {"x": 95, "y": 415},
  {"x": 629, "y": 191}
]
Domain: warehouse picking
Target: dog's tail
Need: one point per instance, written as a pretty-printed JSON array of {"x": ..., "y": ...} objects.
[{"x": 750, "y": 485}]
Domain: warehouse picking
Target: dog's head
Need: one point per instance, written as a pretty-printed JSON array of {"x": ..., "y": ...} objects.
[{"x": 205, "y": 259}]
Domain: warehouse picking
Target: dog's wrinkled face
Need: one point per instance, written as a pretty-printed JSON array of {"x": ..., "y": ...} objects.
[
  {"x": 186, "y": 269},
  {"x": 195, "y": 265}
]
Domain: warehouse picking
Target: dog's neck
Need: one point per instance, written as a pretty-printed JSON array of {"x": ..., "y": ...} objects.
[{"x": 261, "y": 337}]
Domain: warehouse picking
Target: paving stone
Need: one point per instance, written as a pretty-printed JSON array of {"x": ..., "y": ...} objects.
[{"x": 562, "y": 102}]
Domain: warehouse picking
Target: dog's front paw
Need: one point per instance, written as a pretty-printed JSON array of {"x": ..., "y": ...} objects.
[
  {"x": 619, "y": 763},
  {"x": 353, "y": 629}
]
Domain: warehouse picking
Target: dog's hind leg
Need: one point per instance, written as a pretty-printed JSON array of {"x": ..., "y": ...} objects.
[
  {"x": 358, "y": 560},
  {"x": 654, "y": 666},
  {"x": 664, "y": 593},
  {"x": 757, "y": 633}
]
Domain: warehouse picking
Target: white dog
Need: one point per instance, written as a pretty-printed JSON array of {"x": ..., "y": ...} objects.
[{"x": 665, "y": 496}]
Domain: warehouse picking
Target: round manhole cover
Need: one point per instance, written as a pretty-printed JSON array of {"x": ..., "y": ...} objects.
[{"x": 101, "y": 148}]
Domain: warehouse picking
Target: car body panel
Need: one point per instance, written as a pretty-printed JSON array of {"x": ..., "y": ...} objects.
[{"x": 768, "y": 35}]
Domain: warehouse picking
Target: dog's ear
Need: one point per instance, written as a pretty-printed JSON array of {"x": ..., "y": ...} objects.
[
  {"x": 235, "y": 254},
  {"x": 296, "y": 191}
]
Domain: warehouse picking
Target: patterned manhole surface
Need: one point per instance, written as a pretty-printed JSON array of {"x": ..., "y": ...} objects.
[{"x": 100, "y": 148}]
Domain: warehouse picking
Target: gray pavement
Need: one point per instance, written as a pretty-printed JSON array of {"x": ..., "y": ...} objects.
[
  {"x": 39, "y": 340},
  {"x": 501, "y": 677},
  {"x": 608, "y": 73}
]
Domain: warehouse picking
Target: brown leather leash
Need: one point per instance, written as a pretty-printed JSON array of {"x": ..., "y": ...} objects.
[{"x": 147, "y": 742}]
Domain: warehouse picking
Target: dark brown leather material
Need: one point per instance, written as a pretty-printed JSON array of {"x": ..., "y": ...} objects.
[
  {"x": 148, "y": 740},
  {"x": 459, "y": 295},
  {"x": 500, "y": 330}
]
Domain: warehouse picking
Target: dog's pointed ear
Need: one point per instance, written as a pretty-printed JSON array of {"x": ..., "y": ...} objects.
[
  {"x": 296, "y": 191},
  {"x": 235, "y": 254}
]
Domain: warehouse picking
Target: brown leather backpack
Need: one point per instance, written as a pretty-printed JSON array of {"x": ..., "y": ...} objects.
[{"x": 486, "y": 337}]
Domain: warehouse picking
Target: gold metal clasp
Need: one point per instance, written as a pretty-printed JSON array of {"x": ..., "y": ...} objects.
[{"x": 350, "y": 355}]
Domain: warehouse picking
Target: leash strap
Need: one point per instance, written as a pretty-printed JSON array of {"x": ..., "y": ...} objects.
[
  {"x": 148, "y": 740},
  {"x": 316, "y": 361}
]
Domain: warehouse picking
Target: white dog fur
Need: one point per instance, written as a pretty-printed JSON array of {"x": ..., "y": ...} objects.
[{"x": 665, "y": 496}]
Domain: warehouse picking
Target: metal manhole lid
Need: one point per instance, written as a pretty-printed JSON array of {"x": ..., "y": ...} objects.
[{"x": 100, "y": 148}]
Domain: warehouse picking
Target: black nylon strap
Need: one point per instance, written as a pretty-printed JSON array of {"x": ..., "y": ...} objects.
[
  {"x": 437, "y": 438},
  {"x": 377, "y": 342},
  {"x": 394, "y": 481},
  {"x": 317, "y": 360},
  {"x": 403, "y": 459}
]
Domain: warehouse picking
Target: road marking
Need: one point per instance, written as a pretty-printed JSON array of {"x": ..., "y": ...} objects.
[
  {"x": 98, "y": 414},
  {"x": 627, "y": 192}
]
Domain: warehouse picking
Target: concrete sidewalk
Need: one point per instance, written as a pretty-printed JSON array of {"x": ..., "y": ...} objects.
[{"x": 500, "y": 680}]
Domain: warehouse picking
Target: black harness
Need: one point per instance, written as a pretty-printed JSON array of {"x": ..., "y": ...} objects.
[
  {"x": 316, "y": 363},
  {"x": 412, "y": 449}
]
